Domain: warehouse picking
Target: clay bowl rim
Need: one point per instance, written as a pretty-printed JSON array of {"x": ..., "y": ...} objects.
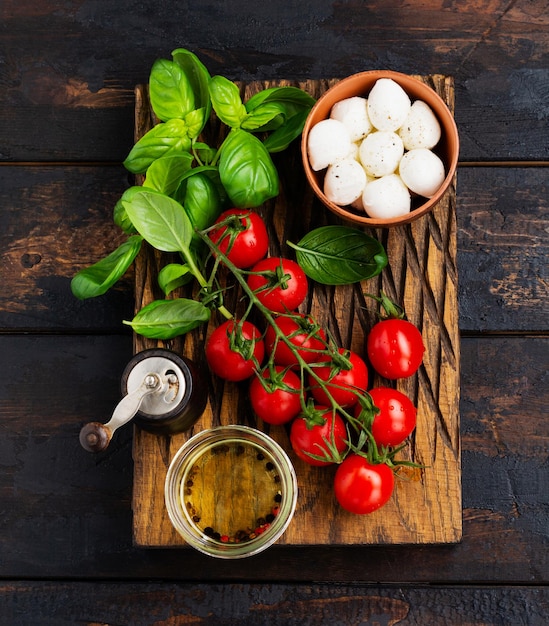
[{"x": 417, "y": 90}]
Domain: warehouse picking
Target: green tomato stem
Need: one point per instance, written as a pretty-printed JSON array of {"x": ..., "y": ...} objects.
[
  {"x": 267, "y": 314},
  {"x": 366, "y": 438}
]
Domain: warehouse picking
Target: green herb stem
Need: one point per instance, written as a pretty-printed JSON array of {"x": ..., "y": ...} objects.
[{"x": 205, "y": 284}]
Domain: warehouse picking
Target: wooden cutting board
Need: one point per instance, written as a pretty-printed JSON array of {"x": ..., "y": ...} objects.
[{"x": 422, "y": 277}]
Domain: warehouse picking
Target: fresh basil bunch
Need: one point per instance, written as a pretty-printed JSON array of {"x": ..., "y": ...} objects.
[
  {"x": 182, "y": 95},
  {"x": 202, "y": 179}
]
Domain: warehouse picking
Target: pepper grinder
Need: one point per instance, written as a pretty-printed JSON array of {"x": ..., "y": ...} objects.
[{"x": 163, "y": 392}]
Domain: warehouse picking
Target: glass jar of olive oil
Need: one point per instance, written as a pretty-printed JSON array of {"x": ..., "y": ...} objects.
[{"x": 231, "y": 491}]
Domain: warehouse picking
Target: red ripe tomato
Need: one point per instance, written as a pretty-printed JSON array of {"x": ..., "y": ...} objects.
[
  {"x": 248, "y": 232},
  {"x": 309, "y": 438},
  {"x": 396, "y": 418},
  {"x": 281, "y": 400},
  {"x": 362, "y": 487},
  {"x": 277, "y": 293},
  {"x": 343, "y": 383},
  {"x": 301, "y": 330},
  {"x": 395, "y": 348},
  {"x": 234, "y": 350}
]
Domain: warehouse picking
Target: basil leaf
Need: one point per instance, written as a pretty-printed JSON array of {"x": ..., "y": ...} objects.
[
  {"x": 339, "y": 255},
  {"x": 99, "y": 278},
  {"x": 211, "y": 172},
  {"x": 281, "y": 94},
  {"x": 199, "y": 79},
  {"x": 161, "y": 220},
  {"x": 202, "y": 202},
  {"x": 170, "y": 91},
  {"x": 165, "y": 173},
  {"x": 173, "y": 276},
  {"x": 247, "y": 170},
  {"x": 120, "y": 217},
  {"x": 195, "y": 122},
  {"x": 226, "y": 101},
  {"x": 163, "y": 139},
  {"x": 265, "y": 117},
  {"x": 281, "y": 138},
  {"x": 166, "y": 319}
]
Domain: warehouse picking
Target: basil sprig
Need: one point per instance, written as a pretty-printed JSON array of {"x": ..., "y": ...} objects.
[
  {"x": 179, "y": 165},
  {"x": 339, "y": 255},
  {"x": 182, "y": 94},
  {"x": 188, "y": 183}
]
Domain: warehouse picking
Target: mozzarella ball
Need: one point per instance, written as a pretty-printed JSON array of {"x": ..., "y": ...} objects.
[
  {"x": 386, "y": 197},
  {"x": 422, "y": 171},
  {"x": 344, "y": 181},
  {"x": 353, "y": 112},
  {"x": 328, "y": 141},
  {"x": 380, "y": 153},
  {"x": 421, "y": 129},
  {"x": 388, "y": 105}
]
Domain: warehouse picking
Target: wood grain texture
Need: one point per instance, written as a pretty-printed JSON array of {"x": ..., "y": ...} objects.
[
  {"x": 422, "y": 276},
  {"x": 169, "y": 604},
  {"x": 52, "y": 218},
  {"x": 499, "y": 271},
  {"x": 73, "y": 87}
]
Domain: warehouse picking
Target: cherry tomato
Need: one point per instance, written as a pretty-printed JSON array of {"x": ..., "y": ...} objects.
[
  {"x": 396, "y": 418},
  {"x": 395, "y": 348},
  {"x": 307, "y": 438},
  {"x": 277, "y": 293},
  {"x": 282, "y": 403},
  {"x": 251, "y": 241},
  {"x": 301, "y": 330},
  {"x": 234, "y": 350},
  {"x": 341, "y": 381},
  {"x": 361, "y": 487}
]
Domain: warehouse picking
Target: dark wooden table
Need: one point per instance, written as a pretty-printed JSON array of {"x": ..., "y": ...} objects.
[{"x": 67, "y": 75}]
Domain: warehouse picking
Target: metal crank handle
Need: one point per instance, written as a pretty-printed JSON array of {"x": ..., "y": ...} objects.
[{"x": 95, "y": 437}]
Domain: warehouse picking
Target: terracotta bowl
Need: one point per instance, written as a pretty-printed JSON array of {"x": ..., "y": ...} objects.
[{"x": 360, "y": 85}]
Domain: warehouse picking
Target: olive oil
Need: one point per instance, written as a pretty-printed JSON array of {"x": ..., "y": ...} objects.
[{"x": 231, "y": 491}]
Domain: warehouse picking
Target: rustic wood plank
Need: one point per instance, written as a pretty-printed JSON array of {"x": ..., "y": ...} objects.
[
  {"x": 80, "y": 102},
  {"x": 422, "y": 276},
  {"x": 67, "y": 513},
  {"x": 57, "y": 219},
  {"x": 503, "y": 248},
  {"x": 168, "y": 603}
]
